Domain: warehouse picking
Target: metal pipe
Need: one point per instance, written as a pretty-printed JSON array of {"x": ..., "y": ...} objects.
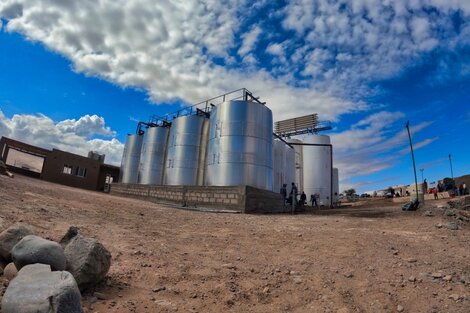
[
  {"x": 139, "y": 130},
  {"x": 413, "y": 158},
  {"x": 280, "y": 138}
]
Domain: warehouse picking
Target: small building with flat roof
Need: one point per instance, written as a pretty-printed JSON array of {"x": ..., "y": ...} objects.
[{"x": 58, "y": 166}]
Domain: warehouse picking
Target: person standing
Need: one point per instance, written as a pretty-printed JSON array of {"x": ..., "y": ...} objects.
[
  {"x": 434, "y": 191},
  {"x": 293, "y": 193},
  {"x": 284, "y": 192},
  {"x": 303, "y": 198},
  {"x": 313, "y": 199}
]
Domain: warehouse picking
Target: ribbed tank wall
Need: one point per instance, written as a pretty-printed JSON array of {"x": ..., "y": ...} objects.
[
  {"x": 129, "y": 173},
  {"x": 298, "y": 165},
  {"x": 184, "y": 143},
  {"x": 240, "y": 145},
  {"x": 335, "y": 185},
  {"x": 289, "y": 166},
  {"x": 279, "y": 165},
  {"x": 283, "y": 165},
  {"x": 317, "y": 168},
  {"x": 203, "y": 153},
  {"x": 152, "y": 159}
]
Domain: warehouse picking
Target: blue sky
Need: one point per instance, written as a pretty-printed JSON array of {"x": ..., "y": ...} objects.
[{"x": 77, "y": 75}]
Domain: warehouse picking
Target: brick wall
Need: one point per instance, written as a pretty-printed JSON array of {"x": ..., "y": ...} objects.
[
  {"x": 243, "y": 199},
  {"x": 264, "y": 201}
]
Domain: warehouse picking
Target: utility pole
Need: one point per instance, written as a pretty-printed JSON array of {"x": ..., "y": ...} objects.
[
  {"x": 422, "y": 177},
  {"x": 451, "y": 170},
  {"x": 413, "y": 158}
]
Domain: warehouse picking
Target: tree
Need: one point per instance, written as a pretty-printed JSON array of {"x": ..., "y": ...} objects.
[{"x": 350, "y": 192}]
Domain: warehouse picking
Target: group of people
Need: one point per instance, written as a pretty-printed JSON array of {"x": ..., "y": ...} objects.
[
  {"x": 294, "y": 193},
  {"x": 462, "y": 190},
  {"x": 458, "y": 191}
]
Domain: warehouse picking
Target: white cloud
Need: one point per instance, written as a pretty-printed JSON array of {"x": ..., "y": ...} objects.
[
  {"x": 350, "y": 44},
  {"x": 86, "y": 126},
  {"x": 167, "y": 48},
  {"x": 249, "y": 40},
  {"x": 276, "y": 49},
  {"x": 373, "y": 144},
  {"x": 67, "y": 135},
  {"x": 420, "y": 144},
  {"x": 419, "y": 28}
]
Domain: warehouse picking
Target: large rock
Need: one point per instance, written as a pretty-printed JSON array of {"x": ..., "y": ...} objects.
[
  {"x": 33, "y": 249},
  {"x": 87, "y": 260},
  {"x": 38, "y": 290},
  {"x": 11, "y": 236}
]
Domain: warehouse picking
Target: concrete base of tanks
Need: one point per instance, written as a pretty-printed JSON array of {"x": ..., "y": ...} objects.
[{"x": 240, "y": 199}]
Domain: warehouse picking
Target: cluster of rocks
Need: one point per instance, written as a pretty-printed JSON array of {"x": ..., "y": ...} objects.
[
  {"x": 463, "y": 203},
  {"x": 46, "y": 276},
  {"x": 455, "y": 213}
]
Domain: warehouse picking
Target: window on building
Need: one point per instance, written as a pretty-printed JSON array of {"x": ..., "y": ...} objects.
[
  {"x": 81, "y": 171},
  {"x": 67, "y": 169},
  {"x": 109, "y": 179}
]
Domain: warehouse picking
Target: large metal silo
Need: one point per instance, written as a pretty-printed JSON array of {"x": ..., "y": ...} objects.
[
  {"x": 283, "y": 165},
  {"x": 240, "y": 145},
  {"x": 298, "y": 178},
  {"x": 279, "y": 164},
  {"x": 152, "y": 160},
  {"x": 317, "y": 167},
  {"x": 184, "y": 150},
  {"x": 289, "y": 168},
  {"x": 130, "y": 160}
]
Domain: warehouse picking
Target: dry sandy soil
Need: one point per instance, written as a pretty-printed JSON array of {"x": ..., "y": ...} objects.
[{"x": 372, "y": 258}]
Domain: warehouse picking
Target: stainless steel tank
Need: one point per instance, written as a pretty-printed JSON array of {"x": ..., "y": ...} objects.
[
  {"x": 298, "y": 166},
  {"x": 317, "y": 168},
  {"x": 240, "y": 145},
  {"x": 283, "y": 165},
  {"x": 152, "y": 159},
  {"x": 129, "y": 173},
  {"x": 279, "y": 164},
  {"x": 183, "y": 156},
  {"x": 289, "y": 168}
]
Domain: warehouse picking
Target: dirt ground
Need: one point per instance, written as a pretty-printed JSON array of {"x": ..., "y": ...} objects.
[{"x": 367, "y": 258}]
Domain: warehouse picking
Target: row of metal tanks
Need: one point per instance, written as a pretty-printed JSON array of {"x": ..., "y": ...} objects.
[
  {"x": 232, "y": 147},
  {"x": 235, "y": 146}
]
